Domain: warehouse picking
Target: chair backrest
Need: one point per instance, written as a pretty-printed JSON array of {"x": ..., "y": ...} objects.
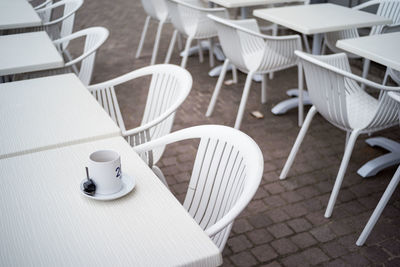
[
  {"x": 190, "y": 18},
  {"x": 248, "y": 49},
  {"x": 169, "y": 87},
  {"x": 227, "y": 172},
  {"x": 63, "y": 25},
  {"x": 94, "y": 38},
  {"x": 157, "y": 9},
  {"x": 330, "y": 82},
  {"x": 386, "y": 8}
]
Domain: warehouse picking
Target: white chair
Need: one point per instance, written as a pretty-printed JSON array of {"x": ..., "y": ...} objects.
[
  {"x": 226, "y": 174},
  {"x": 59, "y": 26},
  {"x": 386, "y": 8},
  {"x": 157, "y": 10},
  {"x": 169, "y": 87},
  {"x": 253, "y": 53},
  {"x": 82, "y": 65},
  {"x": 385, "y": 197},
  {"x": 336, "y": 94},
  {"x": 190, "y": 19}
]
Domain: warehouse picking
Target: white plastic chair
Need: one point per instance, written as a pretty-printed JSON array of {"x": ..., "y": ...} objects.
[
  {"x": 169, "y": 87},
  {"x": 386, "y": 8},
  {"x": 190, "y": 19},
  {"x": 385, "y": 197},
  {"x": 82, "y": 65},
  {"x": 157, "y": 10},
  {"x": 62, "y": 25},
  {"x": 226, "y": 174},
  {"x": 254, "y": 53},
  {"x": 336, "y": 94}
]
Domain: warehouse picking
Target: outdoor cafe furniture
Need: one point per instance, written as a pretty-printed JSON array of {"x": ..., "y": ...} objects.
[
  {"x": 49, "y": 112},
  {"x": 253, "y": 53},
  {"x": 227, "y": 171},
  {"x": 385, "y": 8},
  {"x": 190, "y": 19},
  {"x": 18, "y": 57},
  {"x": 46, "y": 220},
  {"x": 169, "y": 87},
  {"x": 157, "y": 10},
  {"x": 94, "y": 38},
  {"x": 56, "y": 26},
  {"x": 385, "y": 198},
  {"x": 17, "y": 14},
  {"x": 316, "y": 19},
  {"x": 383, "y": 49},
  {"x": 338, "y": 97}
]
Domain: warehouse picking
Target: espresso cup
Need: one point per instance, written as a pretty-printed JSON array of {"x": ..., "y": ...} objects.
[{"x": 105, "y": 171}]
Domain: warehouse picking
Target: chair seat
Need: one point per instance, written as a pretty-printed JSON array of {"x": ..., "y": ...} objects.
[{"x": 361, "y": 109}]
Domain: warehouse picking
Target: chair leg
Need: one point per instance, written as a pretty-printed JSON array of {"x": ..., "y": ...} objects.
[
  {"x": 146, "y": 25},
  {"x": 180, "y": 45},
  {"x": 323, "y": 49},
  {"x": 379, "y": 208},
  {"x": 298, "y": 142},
  {"x": 243, "y": 101},
  {"x": 234, "y": 74},
  {"x": 171, "y": 47},
  {"x": 264, "y": 89},
  {"x": 385, "y": 79},
  {"x": 300, "y": 88},
  {"x": 156, "y": 43},
  {"x": 201, "y": 55},
  {"x": 341, "y": 173},
  {"x": 217, "y": 89},
  {"x": 211, "y": 52},
  {"x": 365, "y": 70},
  {"x": 186, "y": 52}
]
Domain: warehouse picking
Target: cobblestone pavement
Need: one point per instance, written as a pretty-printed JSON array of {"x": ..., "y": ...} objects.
[{"x": 284, "y": 224}]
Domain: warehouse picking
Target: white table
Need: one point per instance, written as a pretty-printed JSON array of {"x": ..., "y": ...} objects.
[
  {"x": 316, "y": 19},
  {"x": 383, "y": 49},
  {"x": 17, "y": 14},
  {"x": 49, "y": 112},
  {"x": 46, "y": 221},
  {"x": 28, "y": 52}
]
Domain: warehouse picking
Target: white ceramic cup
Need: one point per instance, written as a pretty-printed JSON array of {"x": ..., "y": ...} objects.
[{"x": 105, "y": 171}]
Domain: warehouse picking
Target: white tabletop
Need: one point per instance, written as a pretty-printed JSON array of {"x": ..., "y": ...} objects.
[
  {"x": 247, "y": 3},
  {"x": 319, "y": 18},
  {"x": 45, "y": 221},
  {"x": 27, "y": 52},
  {"x": 381, "y": 48},
  {"x": 17, "y": 14},
  {"x": 49, "y": 112}
]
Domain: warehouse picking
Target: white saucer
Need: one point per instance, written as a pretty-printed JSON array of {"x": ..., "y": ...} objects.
[{"x": 128, "y": 183}]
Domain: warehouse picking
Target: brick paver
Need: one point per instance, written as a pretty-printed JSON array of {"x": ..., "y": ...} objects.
[{"x": 284, "y": 225}]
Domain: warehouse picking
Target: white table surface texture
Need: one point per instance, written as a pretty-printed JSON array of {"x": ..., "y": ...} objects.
[
  {"x": 319, "y": 18},
  {"x": 46, "y": 221},
  {"x": 17, "y": 14},
  {"x": 248, "y": 3},
  {"x": 381, "y": 48},
  {"x": 49, "y": 112},
  {"x": 27, "y": 52}
]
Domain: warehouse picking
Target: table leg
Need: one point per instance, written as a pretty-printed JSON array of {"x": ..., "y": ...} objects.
[{"x": 374, "y": 166}]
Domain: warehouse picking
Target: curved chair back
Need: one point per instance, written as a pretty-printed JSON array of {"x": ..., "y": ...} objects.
[
  {"x": 248, "y": 49},
  {"x": 94, "y": 38},
  {"x": 331, "y": 84},
  {"x": 190, "y": 18},
  {"x": 157, "y": 9},
  {"x": 386, "y": 8},
  {"x": 63, "y": 25},
  {"x": 227, "y": 172},
  {"x": 169, "y": 87}
]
